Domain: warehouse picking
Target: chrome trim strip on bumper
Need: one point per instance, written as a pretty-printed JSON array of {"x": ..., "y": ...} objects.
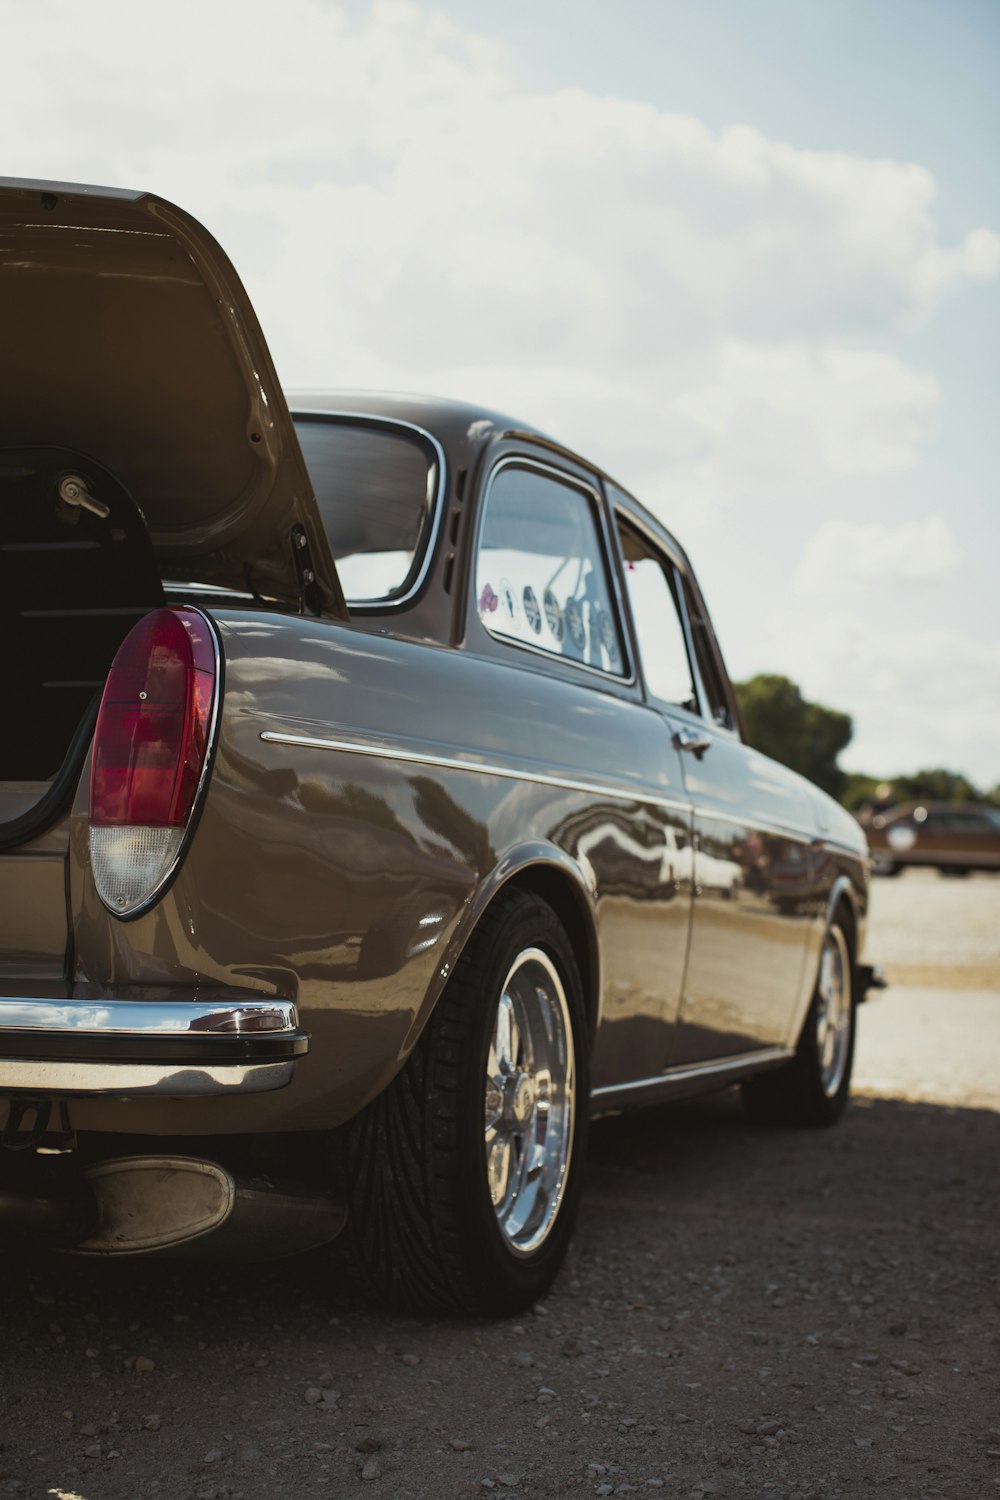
[
  {"x": 150, "y": 1017},
  {"x": 126, "y": 1079},
  {"x": 175, "y": 1048}
]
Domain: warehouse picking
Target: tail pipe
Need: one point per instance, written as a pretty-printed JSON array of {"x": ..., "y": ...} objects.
[{"x": 177, "y": 1205}]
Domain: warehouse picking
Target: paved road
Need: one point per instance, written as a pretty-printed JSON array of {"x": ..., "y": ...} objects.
[{"x": 746, "y": 1314}]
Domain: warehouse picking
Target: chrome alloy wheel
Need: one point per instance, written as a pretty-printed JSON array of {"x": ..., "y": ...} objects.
[
  {"x": 530, "y": 1101},
  {"x": 833, "y": 1011}
]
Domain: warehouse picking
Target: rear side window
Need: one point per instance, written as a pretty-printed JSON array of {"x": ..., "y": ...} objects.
[
  {"x": 957, "y": 820},
  {"x": 377, "y": 486},
  {"x": 541, "y": 577}
]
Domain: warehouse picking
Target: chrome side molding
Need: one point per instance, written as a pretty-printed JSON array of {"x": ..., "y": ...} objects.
[{"x": 692, "y": 1078}]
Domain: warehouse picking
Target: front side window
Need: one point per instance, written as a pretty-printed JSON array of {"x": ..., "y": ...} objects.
[
  {"x": 541, "y": 578},
  {"x": 651, "y": 581},
  {"x": 376, "y": 487}
]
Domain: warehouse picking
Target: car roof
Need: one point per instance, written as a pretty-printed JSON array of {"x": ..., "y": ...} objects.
[
  {"x": 460, "y": 427},
  {"x": 451, "y": 422}
]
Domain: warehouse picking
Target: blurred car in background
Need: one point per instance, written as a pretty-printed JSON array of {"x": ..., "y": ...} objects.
[{"x": 954, "y": 837}]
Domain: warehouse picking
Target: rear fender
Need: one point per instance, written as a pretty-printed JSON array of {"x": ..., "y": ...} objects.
[{"x": 549, "y": 872}]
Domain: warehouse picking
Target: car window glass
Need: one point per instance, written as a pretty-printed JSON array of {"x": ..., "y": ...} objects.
[
  {"x": 711, "y": 681},
  {"x": 541, "y": 578},
  {"x": 650, "y": 581},
  {"x": 968, "y": 822},
  {"x": 375, "y": 489}
]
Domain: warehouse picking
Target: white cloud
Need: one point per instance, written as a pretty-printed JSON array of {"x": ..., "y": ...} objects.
[
  {"x": 925, "y": 696},
  {"x": 844, "y": 556},
  {"x": 404, "y": 211},
  {"x": 717, "y": 317}
]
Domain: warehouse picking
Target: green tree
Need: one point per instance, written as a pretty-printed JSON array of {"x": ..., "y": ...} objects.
[
  {"x": 937, "y": 785},
  {"x": 860, "y": 788},
  {"x": 805, "y": 736}
]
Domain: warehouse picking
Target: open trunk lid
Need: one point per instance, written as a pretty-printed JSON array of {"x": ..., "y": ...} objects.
[{"x": 129, "y": 337}]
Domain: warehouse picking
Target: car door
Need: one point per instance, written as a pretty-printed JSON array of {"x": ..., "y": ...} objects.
[
  {"x": 545, "y": 601},
  {"x": 754, "y": 898}
]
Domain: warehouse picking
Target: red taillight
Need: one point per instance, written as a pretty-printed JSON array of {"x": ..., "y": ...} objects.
[{"x": 150, "y": 746}]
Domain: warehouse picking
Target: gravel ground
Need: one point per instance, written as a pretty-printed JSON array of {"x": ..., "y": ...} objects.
[
  {"x": 935, "y": 1033},
  {"x": 744, "y": 1313}
]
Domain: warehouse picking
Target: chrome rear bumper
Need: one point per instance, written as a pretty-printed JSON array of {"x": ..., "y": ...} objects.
[{"x": 82, "y": 1043}]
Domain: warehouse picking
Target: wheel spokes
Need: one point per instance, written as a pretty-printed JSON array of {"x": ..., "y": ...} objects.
[
  {"x": 498, "y": 1168},
  {"x": 505, "y": 1035},
  {"x": 529, "y": 1101},
  {"x": 493, "y": 1104},
  {"x": 833, "y": 1012}
]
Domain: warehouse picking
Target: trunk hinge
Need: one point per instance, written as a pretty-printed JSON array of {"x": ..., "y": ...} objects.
[{"x": 310, "y": 594}]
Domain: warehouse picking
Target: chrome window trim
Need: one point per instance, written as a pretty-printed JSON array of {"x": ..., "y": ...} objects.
[
  {"x": 592, "y": 494},
  {"x": 175, "y": 586},
  {"x": 435, "y": 501},
  {"x": 481, "y": 768},
  {"x": 167, "y": 878}
]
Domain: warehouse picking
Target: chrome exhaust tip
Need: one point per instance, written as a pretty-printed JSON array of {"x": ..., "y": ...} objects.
[{"x": 183, "y": 1205}]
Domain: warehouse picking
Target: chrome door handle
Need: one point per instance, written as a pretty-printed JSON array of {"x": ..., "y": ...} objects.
[{"x": 689, "y": 739}]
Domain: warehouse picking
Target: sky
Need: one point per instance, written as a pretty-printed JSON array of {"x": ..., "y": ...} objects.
[{"x": 744, "y": 254}]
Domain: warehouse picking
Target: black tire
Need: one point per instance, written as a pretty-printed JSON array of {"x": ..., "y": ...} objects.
[
  {"x": 422, "y": 1232},
  {"x": 813, "y": 1088}
]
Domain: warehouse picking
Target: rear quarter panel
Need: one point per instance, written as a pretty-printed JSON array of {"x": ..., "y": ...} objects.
[{"x": 348, "y": 879}]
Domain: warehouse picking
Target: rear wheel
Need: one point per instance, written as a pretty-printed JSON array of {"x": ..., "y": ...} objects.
[
  {"x": 463, "y": 1177},
  {"x": 812, "y": 1088}
]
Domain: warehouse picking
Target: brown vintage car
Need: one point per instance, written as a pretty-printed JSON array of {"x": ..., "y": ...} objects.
[
  {"x": 327, "y": 921},
  {"x": 953, "y": 837}
]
